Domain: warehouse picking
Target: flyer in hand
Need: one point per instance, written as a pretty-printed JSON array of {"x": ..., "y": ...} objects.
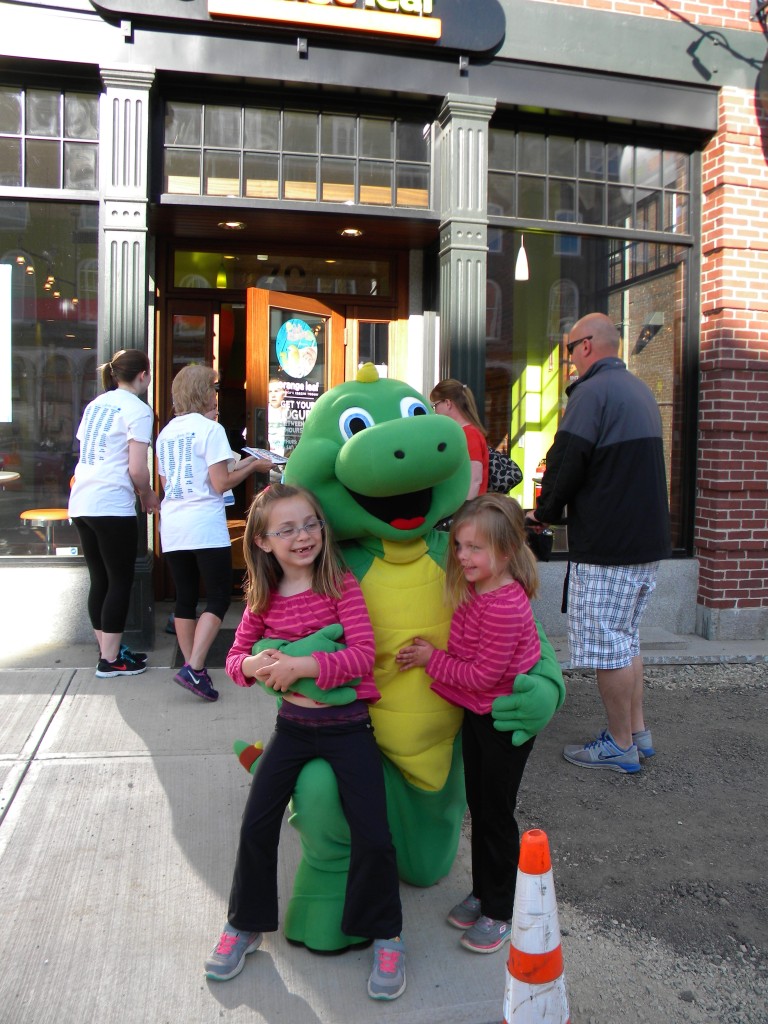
[{"x": 264, "y": 453}]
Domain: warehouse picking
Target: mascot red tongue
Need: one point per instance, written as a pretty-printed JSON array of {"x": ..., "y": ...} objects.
[{"x": 375, "y": 445}]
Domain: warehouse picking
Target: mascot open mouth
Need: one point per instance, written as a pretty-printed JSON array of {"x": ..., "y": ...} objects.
[{"x": 402, "y": 511}]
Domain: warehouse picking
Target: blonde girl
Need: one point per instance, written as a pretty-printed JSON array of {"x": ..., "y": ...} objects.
[{"x": 490, "y": 578}]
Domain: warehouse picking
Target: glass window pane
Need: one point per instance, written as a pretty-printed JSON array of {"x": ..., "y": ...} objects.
[
  {"x": 676, "y": 212},
  {"x": 43, "y": 113},
  {"x": 501, "y": 150},
  {"x": 648, "y": 167},
  {"x": 501, "y": 195},
  {"x": 375, "y": 183},
  {"x": 591, "y": 200},
  {"x": 53, "y": 360},
  {"x": 676, "y": 167},
  {"x": 261, "y": 129},
  {"x": 562, "y": 199},
  {"x": 591, "y": 159},
  {"x": 222, "y": 126},
  {"x": 376, "y": 138},
  {"x": 531, "y": 197},
  {"x": 10, "y": 162},
  {"x": 183, "y": 124},
  {"x": 42, "y": 170},
  {"x": 531, "y": 153},
  {"x": 412, "y": 186},
  {"x": 182, "y": 172},
  {"x": 613, "y": 161},
  {"x": 299, "y": 132},
  {"x": 562, "y": 156},
  {"x": 300, "y": 178},
  {"x": 10, "y": 110},
  {"x": 413, "y": 141},
  {"x": 337, "y": 180},
  {"x": 80, "y": 165},
  {"x": 620, "y": 207},
  {"x": 81, "y": 116},
  {"x": 221, "y": 173},
  {"x": 338, "y": 135},
  {"x": 260, "y": 174}
]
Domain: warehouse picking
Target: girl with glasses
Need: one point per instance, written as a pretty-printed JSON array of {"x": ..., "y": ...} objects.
[{"x": 296, "y": 592}]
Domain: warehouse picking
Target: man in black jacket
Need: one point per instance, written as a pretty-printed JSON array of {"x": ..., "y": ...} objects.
[{"x": 605, "y": 471}]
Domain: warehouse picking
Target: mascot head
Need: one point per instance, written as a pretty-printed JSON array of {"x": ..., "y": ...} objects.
[{"x": 380, "y": 461}]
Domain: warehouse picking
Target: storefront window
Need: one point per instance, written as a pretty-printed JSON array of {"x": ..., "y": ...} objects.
[
  {"x": 48, "y": 139},
  {"x": 293, "y": 155},
  {"x": 641, "y": 286},
  {"x": 48, "y": 318}
]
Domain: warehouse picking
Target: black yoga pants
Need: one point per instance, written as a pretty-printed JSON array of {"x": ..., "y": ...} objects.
[{"x": 109, "y": 545}]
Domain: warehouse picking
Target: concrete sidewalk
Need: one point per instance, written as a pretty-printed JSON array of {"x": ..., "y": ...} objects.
[{"x": 120, "y": 804}]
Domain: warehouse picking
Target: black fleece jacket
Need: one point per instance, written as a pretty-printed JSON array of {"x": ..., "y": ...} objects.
[{"x": 606, "y": 465}]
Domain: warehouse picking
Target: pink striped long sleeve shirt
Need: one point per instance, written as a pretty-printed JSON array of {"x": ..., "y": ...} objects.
[
  {"x": 293, "y": 618},
  {"x": 493, "y": 638}
]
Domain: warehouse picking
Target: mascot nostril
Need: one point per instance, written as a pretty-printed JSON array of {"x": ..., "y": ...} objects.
[
  {"x": 399, "y": 454},
  {"x": 442, "y": 446}
]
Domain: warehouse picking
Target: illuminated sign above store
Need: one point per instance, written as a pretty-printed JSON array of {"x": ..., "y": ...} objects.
[{"x": 408, "y": 18}]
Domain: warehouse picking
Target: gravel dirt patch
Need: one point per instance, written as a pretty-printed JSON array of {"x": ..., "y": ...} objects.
[{"x": 660, "y": 877}]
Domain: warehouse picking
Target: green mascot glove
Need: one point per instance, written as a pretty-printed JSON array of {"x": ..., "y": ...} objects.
[
  {"x": 326, "y": 639},
  {"x": 536, "y": 697}
]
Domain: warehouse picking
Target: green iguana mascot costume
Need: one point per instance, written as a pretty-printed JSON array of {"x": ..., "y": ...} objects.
[{"x": 386, "y": 469}]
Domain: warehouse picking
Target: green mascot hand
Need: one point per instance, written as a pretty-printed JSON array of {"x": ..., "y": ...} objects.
[
  {"x": 537, "y": 696},
  {"x": 326, "y": 639}
]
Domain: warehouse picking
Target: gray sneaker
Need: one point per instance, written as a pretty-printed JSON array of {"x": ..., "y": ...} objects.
[
  {"x": 228, "y": 957},
  {"x": 644, "y": 743},
  {"x": 603, "y": 753},
  {"x": 464, "y": 914},
  {"x": 387, "y": 979},
  {"x": 486, "y": 935}
]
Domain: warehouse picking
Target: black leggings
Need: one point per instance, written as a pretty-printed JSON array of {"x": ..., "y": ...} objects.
[
  {"x": 109, "y": 545},
  {"x": 214, "y": 565}
]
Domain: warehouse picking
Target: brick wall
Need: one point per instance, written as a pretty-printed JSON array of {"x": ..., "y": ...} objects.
[
  {"x": 731, "y": 522},
  {"x": 722, "y": 14}
]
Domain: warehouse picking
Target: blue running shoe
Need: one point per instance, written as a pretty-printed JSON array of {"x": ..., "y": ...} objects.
[
  {"x": 604, "y": 753},
  {"x": 197, "y": 682},
  {"x": 644, "y": 743}
]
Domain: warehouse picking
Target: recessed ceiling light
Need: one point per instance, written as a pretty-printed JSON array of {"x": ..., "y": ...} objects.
[
  {"x": 232, "y": 225},
  {"x": 330, "y": 261},
  {"x": 262, "y": 257},
  {"x": 351, "y": 233}
]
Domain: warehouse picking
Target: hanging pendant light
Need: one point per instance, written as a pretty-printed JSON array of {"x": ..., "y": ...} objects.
[
  {"x": 521, "y": 263},
  {"x": 221, "y": 276}
]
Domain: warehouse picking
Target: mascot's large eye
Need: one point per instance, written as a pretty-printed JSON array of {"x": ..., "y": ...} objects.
[
  {"x": 412, "y": 407},
  {"x": 352, "y": 421}
]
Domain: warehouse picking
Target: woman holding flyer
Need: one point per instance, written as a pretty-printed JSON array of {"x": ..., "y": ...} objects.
[{"x": 193, "y": 457}]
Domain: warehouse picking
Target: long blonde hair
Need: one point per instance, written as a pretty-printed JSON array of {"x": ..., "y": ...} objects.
[
  {"x": 264, "y": 571},
  {"x": 501, "y": 523},
  {"x": 462, "y": 397}
]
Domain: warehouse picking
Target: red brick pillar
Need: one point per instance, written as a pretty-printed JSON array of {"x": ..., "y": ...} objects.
[{"x": 731, "y": 529}]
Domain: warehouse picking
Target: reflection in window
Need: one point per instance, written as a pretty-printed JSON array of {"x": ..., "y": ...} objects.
[
  {"x": 51, "y": 250},
  {"x": 639, "y": 284},
  {"x": 292, "y": 155}
]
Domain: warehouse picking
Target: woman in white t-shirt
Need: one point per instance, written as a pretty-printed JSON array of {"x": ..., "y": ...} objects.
[
  {"x": 114, "y": 434},
  {"x": 193, "y": 457}
]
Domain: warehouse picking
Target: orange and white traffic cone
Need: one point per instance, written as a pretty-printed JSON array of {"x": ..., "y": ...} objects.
[{"x": 535, "y": 988}]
